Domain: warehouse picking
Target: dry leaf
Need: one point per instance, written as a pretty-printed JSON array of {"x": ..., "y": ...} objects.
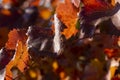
[
  {"x": 67, "y": 13},
  {"x": 14, "y": 36},
  {"x": 17, "y": 38},
  {"x": 20, "y": 60}
]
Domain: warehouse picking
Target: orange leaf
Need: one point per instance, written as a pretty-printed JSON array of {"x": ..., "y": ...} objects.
[
  {"x": 67, "y": 13},
  {"x": 17, "y": 37},
  {"x": 14, "y": 36},
  {"x": 20, "y": 60}
]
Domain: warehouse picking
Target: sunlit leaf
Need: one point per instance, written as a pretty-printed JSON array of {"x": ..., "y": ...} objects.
[
  {"x": 67, "y": 13},
  {"x": 14, "y": 36},
  {"x": 20, "y": 60},
  {"x": 40, "y": 53}
]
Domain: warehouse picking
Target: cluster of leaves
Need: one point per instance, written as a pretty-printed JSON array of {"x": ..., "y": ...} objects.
[{"x": 59, "y": 40}]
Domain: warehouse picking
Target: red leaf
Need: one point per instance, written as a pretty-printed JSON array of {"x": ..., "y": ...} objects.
[
  {"x": 96, "y": 5},
  {"x": 111, "y": 52}
]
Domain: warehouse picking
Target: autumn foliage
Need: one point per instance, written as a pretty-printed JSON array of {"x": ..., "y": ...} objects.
[
  {"x": 67, "y": 13},
  {"x": 59, "y": 40}
]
